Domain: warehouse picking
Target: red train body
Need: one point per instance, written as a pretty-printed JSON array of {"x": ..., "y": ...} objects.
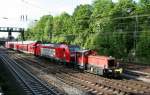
[{"x": 70, "y": 55}]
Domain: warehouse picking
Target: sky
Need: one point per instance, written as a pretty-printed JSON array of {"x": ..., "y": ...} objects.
[
  {"x": 33, "y": 9},
  {"x": 11, "y": 11}
]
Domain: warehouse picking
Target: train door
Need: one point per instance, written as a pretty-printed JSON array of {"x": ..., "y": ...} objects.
[{"x": 37, "y": 51}]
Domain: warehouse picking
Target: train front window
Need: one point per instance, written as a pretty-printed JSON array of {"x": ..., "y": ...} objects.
[
  {"x": 111, "y": 63},
  {"x": 74, "y": 48}
]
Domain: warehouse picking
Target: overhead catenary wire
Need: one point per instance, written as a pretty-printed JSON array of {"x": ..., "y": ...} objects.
[
  {"x": 32, "y": 5},
  {"x": 26, "y": 5}
]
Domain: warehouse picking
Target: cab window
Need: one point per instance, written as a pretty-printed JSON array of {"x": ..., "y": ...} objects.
[
  {"x": 111, "y": 63},
  {"x": 74, "y": 48}
]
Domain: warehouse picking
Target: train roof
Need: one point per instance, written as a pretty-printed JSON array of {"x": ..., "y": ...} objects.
[
  {"x": 51, "y": 45},
  {"x": 102, "y": 57},
  {"x": 72, "y": 45},
  {"x": 22, "y": 42},
  {"x": 82, "y": 51}
]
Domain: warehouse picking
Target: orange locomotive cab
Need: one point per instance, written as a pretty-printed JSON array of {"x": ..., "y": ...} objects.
[
  {"x": 97, "y": 64},
  {"x": 113, "y": 68},
  {"x": 101, "y": 65}
]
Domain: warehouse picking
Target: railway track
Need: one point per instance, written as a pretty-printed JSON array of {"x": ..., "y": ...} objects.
[
  {"x": 137, "y": 75},
  {"x": 59, "y": 76},
  {"x": 42, "y": 74},
  {"x": 135, "y": 71},
  {"x": 31, "y": 84},
  {"x": 95, "y": 84}
]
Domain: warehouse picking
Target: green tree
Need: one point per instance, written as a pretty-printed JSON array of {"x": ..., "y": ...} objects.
[
  {"x": 143, "y": 46},
  {"x": 125, "y": 8},
  {"x": 81, "y": 21},
  {"x": 105, "y": 26},
  {"x": 101, "y": 26},
  {"x": 39, "y": 28},
  {"x": 62, "y": 26},
  {"x": 48, "y": 29}
]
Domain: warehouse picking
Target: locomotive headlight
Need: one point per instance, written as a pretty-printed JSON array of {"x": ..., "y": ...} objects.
[
  {"x": 110, "y": 70},
  {"x": 119, "y": 70}
]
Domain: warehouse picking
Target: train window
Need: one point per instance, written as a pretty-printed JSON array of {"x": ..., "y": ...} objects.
[
  {"x": 74, "y": 48},
  {"x": 111, "y": 63}
]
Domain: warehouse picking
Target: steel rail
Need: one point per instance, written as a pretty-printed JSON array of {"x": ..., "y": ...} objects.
[{"x": 34, "y": 85}]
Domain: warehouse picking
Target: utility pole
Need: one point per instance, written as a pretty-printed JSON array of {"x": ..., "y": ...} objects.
[
  {"x": 9, "y": 34},
  {"x": 135, "y": 34},
  {"x": 22, "y": 34}
]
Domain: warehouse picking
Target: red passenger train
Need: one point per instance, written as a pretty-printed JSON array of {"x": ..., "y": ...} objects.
[{"x": 71, "y": 55}]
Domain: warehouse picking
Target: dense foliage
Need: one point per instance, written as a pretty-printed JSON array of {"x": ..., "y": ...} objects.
[{"x": 118, "y": 29}]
